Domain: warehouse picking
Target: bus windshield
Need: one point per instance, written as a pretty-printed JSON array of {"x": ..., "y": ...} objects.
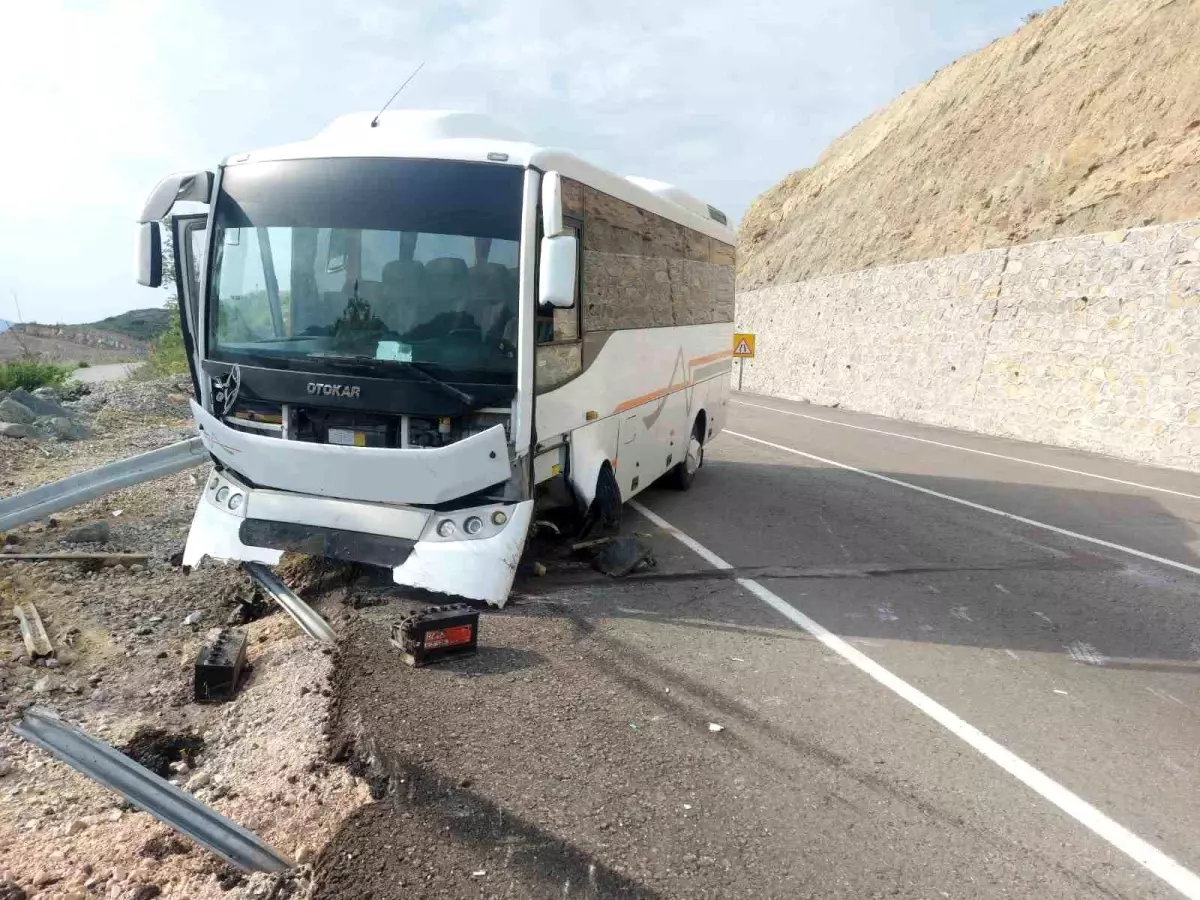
[{"x": 374, "y": 260}]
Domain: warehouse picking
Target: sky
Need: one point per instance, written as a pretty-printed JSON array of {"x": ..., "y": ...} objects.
[{"x": 723, "y": 97}]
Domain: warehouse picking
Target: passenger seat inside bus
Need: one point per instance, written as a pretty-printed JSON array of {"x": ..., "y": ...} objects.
[
  {"x": 403, "y": 295},
  {"x": 492, "y": 293},
  {"x": 446, "y": 295}
]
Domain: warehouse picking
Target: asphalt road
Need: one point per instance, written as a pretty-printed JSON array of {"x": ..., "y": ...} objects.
[
  {"x": 107, "y": 372},
  {"x": 942, "y": 665}
]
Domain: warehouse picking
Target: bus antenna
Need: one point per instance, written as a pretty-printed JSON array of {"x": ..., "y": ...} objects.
[{"x": 375, "y": 121}]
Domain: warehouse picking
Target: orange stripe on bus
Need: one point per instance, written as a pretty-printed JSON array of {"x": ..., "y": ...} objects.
[
  {"x": 646, "y": 398},
  {"x": 712, "y": 357}
]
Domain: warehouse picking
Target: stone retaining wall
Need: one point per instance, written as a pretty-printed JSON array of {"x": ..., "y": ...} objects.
[{"x": 1090, "y": 342}]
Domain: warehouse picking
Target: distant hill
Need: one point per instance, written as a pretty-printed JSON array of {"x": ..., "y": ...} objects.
[
  {"x": 1085, "y": 120},
  {"x": 4, "y": 324},
  {"x": 142, "y": 324}
]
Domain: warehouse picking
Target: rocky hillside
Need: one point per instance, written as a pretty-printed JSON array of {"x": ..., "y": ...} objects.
[{"x": 1087, "y": 119}]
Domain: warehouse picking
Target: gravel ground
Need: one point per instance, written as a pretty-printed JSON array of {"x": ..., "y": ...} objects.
[{"x": 124, "y": 665}]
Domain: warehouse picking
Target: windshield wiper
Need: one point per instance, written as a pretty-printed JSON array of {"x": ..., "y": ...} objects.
[{"x": 420, "y": 368}]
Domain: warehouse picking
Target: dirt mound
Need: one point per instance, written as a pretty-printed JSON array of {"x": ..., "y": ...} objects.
[{"x": 1085, "y": 120}]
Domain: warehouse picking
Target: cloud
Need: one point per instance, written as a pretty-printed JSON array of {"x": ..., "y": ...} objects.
[{"x": 723, "y": 98}]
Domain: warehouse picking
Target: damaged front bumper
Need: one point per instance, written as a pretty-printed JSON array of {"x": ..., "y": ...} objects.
[{"x": 471, "y": 553}]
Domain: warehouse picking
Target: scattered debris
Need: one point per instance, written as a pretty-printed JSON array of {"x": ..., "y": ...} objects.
[
  {"x": 594, "y": 542},
  {"x": 714, "y": 727},
  {"x": 193, "y": 618},
  {"x": 1083, "y": 652},
  {"x": 479, "y": 873},
  {"x": 436, "y": 634},
  {"x": 539, "y": 570},
  {"x": 117, "y": 512},
  {"x": 108, "y": 559},
  {"x": 219, "y": 665},
  {"x": 93, "y": 533},
  {"x": 624, "y": 556},
  {"x": 33, "y": 632},
  {"x": 1064, "y": 693},
  {"x": 162, "y": 845},
  {"x": 156, "y": 749}
]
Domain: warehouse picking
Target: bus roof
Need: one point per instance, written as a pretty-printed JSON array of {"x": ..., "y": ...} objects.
[{"x": 473, "y": 137}]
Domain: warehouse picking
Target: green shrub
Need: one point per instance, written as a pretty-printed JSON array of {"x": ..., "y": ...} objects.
[
  {"x": 30, "y": 375},
  {"x": 167, "y": 354},
  {"x": 82, "y": 364}
]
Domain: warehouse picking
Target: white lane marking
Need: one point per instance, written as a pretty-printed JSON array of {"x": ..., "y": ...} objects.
[
  {"x": 1002, "y": 589},
  {"x": 1184, "y": 567},
  {"x": 1030, "y": 462},
  {"x": 1045, "y": 618},
  {"x": 1085, "y": 653},
  {"x": 1177, "y": 876}
]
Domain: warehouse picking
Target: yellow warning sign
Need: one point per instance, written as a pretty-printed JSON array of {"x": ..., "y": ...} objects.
[{"x": 743, "y": 346}]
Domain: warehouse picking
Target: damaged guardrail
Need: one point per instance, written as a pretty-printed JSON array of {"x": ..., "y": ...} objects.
[
  {"x": 58, "y": 495},
  {"x": 141, "y": 787},
  {"x": 306, "y": 617}
]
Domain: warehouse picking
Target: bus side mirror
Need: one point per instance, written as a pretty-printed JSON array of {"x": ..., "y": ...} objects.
[
  {"x": 552, "y": 210},
  {"x": 148, "y": 255},
  {"x": 556, "y": 271}
]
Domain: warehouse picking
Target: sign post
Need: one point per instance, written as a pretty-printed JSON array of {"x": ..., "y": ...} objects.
[{"x": 743, "y": 349}]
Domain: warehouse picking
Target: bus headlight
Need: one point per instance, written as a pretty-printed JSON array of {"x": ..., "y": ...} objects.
[
  {"x": 236, "y": 500},
  {"x": 222, "y": 494},
  {"x": 473, "y": 525},
  {"x": 445, "y": 528}
]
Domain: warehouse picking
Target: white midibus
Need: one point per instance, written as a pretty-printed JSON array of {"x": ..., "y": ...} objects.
[{"x": 405, "y": 333}]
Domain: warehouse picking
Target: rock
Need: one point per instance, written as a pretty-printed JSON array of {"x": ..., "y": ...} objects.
[
  {"x": 303, "y": 854},
  {"x": 17, "y": 413},
  {"x": 143, "y": 892},
  {"x": 74, "y": 827},
  {"x": 43, "y": 878},
  {"x": 6, "y": 767},
  {"x": 39, "y": 406},
  {"x": 46, "y": 392},
  {"x": 16, "y": 430},
  {"x": 95, "y": 533},
  {"x": 197, "y": 781},
  {"x": 61, "y": 428},
  {"x": 193, "y": 618},
  {"x": 10, "y": 891},
  {"x": 47, "y": 684},
  {"x": 180, "y": 768}
]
